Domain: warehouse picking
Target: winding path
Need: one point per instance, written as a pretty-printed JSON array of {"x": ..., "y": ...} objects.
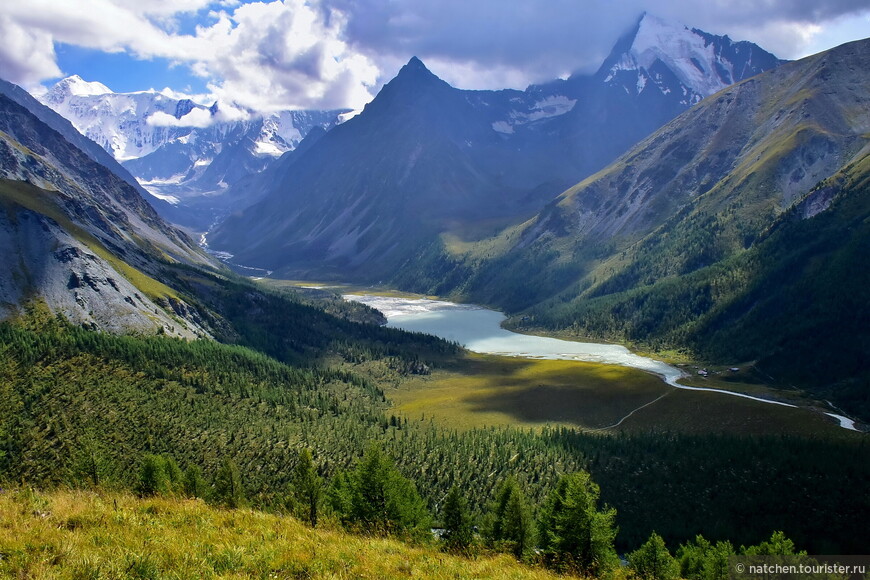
[{"x": 618, "y": 423}]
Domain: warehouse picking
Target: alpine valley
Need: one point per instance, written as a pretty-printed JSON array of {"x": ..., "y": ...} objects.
[{"x": 696, "y": 198}]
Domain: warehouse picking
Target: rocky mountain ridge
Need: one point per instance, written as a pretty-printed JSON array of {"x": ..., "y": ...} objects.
[
  {"x": 81, "y": 240},
  {"x": 179, "y": 150},
  {"x": 459, "y": 163}
]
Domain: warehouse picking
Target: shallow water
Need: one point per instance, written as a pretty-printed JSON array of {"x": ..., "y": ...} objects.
[{"x": 479, "y": 330}]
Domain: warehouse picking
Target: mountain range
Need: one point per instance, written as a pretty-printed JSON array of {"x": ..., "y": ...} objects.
[
  {"x": 425, "y": 159},
  {"x": 182, "y": 152},
  {"x": 694, "y": 193},
  {"x": 738, "y": 231},
  {"x": 748, "y": 207}
]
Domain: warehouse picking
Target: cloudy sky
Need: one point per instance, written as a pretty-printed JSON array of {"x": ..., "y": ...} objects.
[{"x": 268, "y": 55}]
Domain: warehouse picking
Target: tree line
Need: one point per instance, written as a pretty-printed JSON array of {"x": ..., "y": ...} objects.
[{"x": 572, "y": 532}]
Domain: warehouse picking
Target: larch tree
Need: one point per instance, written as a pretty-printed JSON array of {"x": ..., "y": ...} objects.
[
  {"x": 574, "y": 534},
  {"x": 306, "y": 489},
  {"x": 458, "y": 524}
]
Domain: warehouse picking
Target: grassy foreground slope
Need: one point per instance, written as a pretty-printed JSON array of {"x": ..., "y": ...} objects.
[{"x": 88, "y": 535}]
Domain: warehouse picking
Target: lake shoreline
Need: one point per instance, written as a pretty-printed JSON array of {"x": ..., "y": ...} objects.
[{"x": 453, "y": 321}]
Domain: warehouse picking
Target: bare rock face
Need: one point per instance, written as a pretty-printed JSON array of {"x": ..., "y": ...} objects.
[{"x": 42, "y": 260}]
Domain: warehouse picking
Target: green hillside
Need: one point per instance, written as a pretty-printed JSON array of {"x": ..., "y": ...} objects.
[
  {"x": 70, "y": 535},
  {"x": 736, "y": 233},
  {"x": 793, "y": 302}
]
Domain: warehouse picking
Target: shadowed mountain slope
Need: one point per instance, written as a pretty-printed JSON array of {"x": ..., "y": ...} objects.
[{"x": 425, "y": 159}]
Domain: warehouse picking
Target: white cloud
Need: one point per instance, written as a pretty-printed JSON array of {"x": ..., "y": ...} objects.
[
  {"x": 262, "y": 55},
  {"x": 784, "y": 39},
  {"x": 201, "y": 99},
  {"x": 195, "y": 118},
  {"x": 230, "y": 112},
  {"x": 840, "y": 30},
  {"x": 278, "y": 55},
  {"x": 509, "y": 44},
  {"x": 267, "y": 55},
  {"x": 477, "y": 75},
  {"x": 26, "y": 56}
]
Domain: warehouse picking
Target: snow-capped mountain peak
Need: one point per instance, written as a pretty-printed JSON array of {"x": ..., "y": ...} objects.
[
  {"x": 174, "y": 146},
  {"x": 686, "y": 53},
  {"x": 700, "y": 63},
  {"x": 75, "y": 86}
]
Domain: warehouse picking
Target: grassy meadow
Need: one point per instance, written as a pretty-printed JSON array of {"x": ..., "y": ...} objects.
[
  {"x": 484, "y": 390},
  {"x": 77, "y": 534}
]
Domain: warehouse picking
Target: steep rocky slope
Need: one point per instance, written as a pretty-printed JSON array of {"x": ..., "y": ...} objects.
[{"x": 81, "y": 239}]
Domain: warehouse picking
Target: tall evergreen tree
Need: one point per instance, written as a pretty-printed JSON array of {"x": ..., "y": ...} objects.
[
  {"x": 338, "y": 495},
  {"x": 510, "y": 526},
  {"x": 152, "y": 476},
  {"x": 174, "y": 477},
  {"x": 228, "y": 485},
  {"x": 306, "y": 489},
  {"x": 194, "y": 484},
  {"x": 778, "y": 545},
  {"x": 379, "y": 499},
  {"x": 701, "y": 560},
  {"x": 458, "y": 525},
  {"x": 574, "y": 534},
  {"x": 89, "y": 465},
  {"x": 653, "y": 561}
]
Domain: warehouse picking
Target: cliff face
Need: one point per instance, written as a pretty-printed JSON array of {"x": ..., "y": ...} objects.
[{"x": 81, "y": 239}]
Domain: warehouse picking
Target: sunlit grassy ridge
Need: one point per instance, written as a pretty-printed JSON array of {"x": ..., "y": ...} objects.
[{"x": 74, "y": 534}]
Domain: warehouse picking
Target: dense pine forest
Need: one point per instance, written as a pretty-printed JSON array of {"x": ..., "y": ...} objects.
[{"x": 85, "y": 409}]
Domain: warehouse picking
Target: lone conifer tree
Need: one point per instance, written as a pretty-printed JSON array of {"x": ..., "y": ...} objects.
[
  {"x": 174, "y": 477},
  {"x": 153, "y": 479},
  {"x": 703, "y": 560},
  {"x": 228, "y": 485},
  {"x": 574, "y": 534},
  {"x": 653, "y": 561},
  {"x": 306, "y": 489},
  {"x": 375, "y": 497},
  {"x": 509, "y": 525},
  {"x": 458, "y": 526},
  {"x": 194, "y": 484}
]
